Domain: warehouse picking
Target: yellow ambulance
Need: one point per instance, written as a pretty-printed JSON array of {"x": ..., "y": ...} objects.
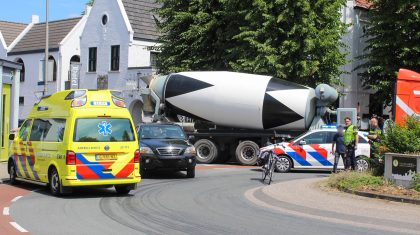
[{"x": 77, "y": 138}]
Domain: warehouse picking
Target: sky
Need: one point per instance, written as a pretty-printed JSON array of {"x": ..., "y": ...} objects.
[{"x": 22, "y": 10}]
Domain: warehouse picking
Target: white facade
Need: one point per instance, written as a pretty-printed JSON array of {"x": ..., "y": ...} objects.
[
  {"x": 134, "y": 60},
  {"x": 3, "y": 48},
  {"x": 31, "y": 88},
  {"x": 354, "y": 95}
]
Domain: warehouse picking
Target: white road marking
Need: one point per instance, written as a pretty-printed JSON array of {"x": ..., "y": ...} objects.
[
  {"x": 36, "y": 190},
  {"x": 6, "y": 211},
  {"x": 18, "y": 227},
  {"x": 16, "y": 198}
]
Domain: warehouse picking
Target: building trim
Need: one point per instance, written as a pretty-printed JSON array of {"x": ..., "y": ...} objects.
[
  {"x": 126, "y": 20},
  {"x": 2, "y": 41},
  {"x": 145, "y": 40},
  {"x": 10, "y": 64},
  {"x": 33, "y": 51}
]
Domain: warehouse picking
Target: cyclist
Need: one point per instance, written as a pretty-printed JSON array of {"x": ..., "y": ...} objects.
[{"x": 339, "y": 148}]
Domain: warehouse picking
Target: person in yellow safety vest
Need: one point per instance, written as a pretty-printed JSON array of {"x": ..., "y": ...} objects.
[
  {"x": 374, "y": 137},
  {"x": 351, "y": 140}
]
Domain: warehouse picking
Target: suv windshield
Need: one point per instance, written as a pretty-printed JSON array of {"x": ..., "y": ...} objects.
[
  {"x": 103, "y": 130},
  {"x": 161, "y": 132}
]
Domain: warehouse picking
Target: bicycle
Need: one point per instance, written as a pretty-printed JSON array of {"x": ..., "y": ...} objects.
[{"x": 268, "y": 168}]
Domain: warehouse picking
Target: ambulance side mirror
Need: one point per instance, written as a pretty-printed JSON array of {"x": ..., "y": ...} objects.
[
  {"x": 302, "y": 142},
  {"x": 11, "y": 136}
]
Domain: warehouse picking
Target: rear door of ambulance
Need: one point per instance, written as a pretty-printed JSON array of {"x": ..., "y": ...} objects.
[{"x": 104, "y": 148}]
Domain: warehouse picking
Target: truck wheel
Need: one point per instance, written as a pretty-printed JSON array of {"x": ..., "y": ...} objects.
[
  {"x": 54, "y": 182},
  {"x": 12, "y": 173},
  {"x": 247, "y": 153},
  {"x": 283, "y": 164},
  {"x": 207, "y": 151}
]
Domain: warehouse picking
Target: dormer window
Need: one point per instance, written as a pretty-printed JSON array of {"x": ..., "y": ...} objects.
[{"x": 104, "y": 19}]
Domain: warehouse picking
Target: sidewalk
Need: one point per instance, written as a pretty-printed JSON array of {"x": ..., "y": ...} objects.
[
  {"x": 304, "y": 198},
  {"x": 4, "y": 176}
]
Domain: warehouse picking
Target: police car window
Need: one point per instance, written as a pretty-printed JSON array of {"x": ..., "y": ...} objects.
[
  {"x": 362, "y": 140},
  {"x": 48, "y": 130},
  {"x": 330, "y": 136},
  {"x": 24, "y": 130},
  {"x": 316, "y": 138},
  {"x": 103, "y": 130}
]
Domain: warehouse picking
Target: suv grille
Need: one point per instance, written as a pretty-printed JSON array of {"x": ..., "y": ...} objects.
[{"x": 169, "y": 151}]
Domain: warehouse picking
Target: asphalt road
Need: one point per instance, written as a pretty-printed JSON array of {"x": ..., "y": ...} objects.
[{"x": 212, "y": 203}]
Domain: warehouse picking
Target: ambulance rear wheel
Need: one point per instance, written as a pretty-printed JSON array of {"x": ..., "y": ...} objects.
[
  {"x": 123, "y": 189},
  {"x": 54, "y": 182}
]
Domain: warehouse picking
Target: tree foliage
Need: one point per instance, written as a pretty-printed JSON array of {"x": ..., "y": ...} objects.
[
  {"x": 403, "y": 138},
  {"x": 393, "y": 42},
  {"x": 297, "y": 40}
]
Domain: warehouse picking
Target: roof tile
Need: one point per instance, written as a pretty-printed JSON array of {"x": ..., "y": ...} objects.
[{"x": 11, "y": 30}]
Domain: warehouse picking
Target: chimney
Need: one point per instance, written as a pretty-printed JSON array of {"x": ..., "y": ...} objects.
[{"x": 35, "y": 19}]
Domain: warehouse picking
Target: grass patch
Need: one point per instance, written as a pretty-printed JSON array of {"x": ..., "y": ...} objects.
[
  {"x": 366, "y": 182},
  {"x": 354, "y": 180}
]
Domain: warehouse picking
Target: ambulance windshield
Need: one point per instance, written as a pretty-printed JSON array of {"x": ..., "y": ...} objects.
[{"x": 103, "y": 130}]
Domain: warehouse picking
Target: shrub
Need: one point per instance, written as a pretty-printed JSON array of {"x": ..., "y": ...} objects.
[
  {"x": 416, "y": 182},
  {"x": 354, "y": 180},
  {"x": 403, "y": 138}
]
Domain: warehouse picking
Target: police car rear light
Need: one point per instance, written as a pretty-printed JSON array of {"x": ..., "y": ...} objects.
[
  {"x": 137, "y": 156},
  {"x": 79, "y": 102},
  {"x": 118, "y": 102},
  {"x": 70, "y": 158}
]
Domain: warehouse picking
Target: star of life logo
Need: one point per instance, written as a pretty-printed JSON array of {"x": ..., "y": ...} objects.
[{"x": 105, "y": 128}]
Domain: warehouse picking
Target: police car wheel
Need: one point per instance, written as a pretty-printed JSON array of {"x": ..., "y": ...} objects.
[
  {"x": 283, "y": 164},
  {"x": 54, "y": 183},
  {"x": 362, "y": 164},
  {"x": 12, "y": 173}
]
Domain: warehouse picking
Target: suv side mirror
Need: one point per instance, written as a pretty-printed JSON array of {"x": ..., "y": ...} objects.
[
  {"x": 11, "y": 136},
  {"x": 191, "y": 138},
  {"x": 302, "y": 142}
]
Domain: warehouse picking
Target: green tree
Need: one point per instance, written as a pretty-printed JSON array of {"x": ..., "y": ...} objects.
[
  {"x": 297, "y": 40},
  {"x": 393, "y": 42}
]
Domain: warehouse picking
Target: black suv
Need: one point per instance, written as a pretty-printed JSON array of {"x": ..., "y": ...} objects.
[{"x": 165, "y": 147}]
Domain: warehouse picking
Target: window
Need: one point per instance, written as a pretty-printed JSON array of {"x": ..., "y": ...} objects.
[
  {"x": 54, "y": 69},
  {"x": 24, "y": 130},
  {"x": 161, "y": 132},
  {"x": 103, "y": 130},
  {"x": 22, "y": 71},
  {"x": 115, "y": 58},
  {"x": 21, "y": 100},
  {"x": 153, "y": 59},
  {"x": 92, "y": 59},
  {"x": 316, "y": 138},
  {"x": 362, "y": 140},
  {"x": 48, "y": 130}
]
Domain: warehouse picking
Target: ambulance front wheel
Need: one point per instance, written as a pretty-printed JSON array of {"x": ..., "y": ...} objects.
[
  {"x": 12, "y": 172},
  {"x": 54, "y": 182}
]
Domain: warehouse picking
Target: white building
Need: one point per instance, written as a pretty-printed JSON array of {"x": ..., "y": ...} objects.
[
  {"x": 118, "y": 45},
  {"x": 355, "y": 96},
  {"x": 29, "y": 50}
]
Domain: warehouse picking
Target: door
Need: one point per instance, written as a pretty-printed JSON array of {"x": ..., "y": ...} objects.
[
  {"x": 5, "y": 129},
  {"x": 20, "y": 150},
  {"x": 317, "y": 148}
]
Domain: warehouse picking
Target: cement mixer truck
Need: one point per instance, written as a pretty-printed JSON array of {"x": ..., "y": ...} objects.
[{"x": 234, "y": 114}]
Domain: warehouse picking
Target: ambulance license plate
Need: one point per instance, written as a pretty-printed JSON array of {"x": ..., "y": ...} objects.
[{"x": 106, "y": 157}]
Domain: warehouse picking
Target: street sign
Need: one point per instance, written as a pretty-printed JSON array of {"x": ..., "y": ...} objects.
[{"x": 74, "y": 75}]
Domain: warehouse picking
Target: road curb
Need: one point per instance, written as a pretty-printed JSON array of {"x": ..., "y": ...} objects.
[{"x": 383, "y": 196}]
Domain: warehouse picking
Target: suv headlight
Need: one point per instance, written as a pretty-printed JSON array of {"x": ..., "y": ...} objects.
[
  {"x": 190, "y": 150},
  {"x": 146, "y": 150}
]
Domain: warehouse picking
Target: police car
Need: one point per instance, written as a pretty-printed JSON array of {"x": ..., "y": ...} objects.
[{"x": 313, "y": 150}]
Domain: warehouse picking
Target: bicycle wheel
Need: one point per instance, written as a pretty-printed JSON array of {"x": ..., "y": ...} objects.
[
  {"x": 266, "y": 170},
  {"x": 270, "y": 172}
]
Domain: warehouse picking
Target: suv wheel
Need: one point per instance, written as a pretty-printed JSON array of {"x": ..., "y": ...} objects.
[{"x": 191, "y": 173}]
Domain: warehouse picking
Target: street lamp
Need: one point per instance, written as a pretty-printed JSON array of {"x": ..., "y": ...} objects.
[{"x": 46, "y": 48}]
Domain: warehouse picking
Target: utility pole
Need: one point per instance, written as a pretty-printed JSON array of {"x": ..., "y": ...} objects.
[{"x": 46, "y": 48}]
